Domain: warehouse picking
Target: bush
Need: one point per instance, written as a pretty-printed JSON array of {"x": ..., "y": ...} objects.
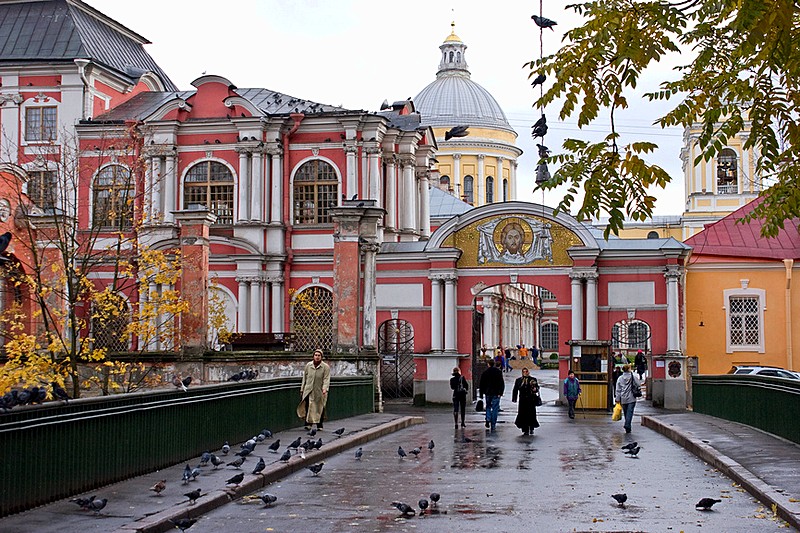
[{"x": 554, "y": 356}]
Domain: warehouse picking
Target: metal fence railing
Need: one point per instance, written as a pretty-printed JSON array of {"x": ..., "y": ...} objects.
[
  {"x": 55, "y": 450},
  {"x": 762, "y": 402}
]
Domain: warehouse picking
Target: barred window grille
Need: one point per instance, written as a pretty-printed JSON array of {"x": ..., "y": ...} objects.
[
  {"x": 210, "y": 184},
  {"x": 42, "y": 188},
  {"x": 312, "y": 319},
  {"x": 489, "y": 190},
  {"x": 505, "y": 190},
  {"x": 113, "y": 198},
  {"x": 546, "y": 295},
  {"x": 550, "y": 336},
  {"x": 638, "y": 332},
  {"x": 744, "y": 321},
  {"x": 108, "y": 329},
  {"x": 40, "y": 123},
  {"x": 615, "y": 341},
  {"x": 469, "y": 187},
  {"x": 316, "y": 191}
]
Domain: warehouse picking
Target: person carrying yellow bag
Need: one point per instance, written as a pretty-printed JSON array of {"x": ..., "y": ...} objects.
[{"x": 616, "y": 416}]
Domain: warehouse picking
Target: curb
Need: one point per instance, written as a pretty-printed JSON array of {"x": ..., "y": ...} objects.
[
  {"x": 760, "y": 490},
  {"x": 213, "y": 499}
]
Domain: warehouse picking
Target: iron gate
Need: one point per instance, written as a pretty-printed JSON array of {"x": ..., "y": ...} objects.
[
  {"x": 312, "y": 319},
  {"x": 396, "y": 349}
]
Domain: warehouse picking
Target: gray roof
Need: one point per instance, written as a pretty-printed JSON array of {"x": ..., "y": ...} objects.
[
  {"x": 457, "y": 100},
  {"x": 445, "y": 205},
  {"x": 62, "y": 31}
]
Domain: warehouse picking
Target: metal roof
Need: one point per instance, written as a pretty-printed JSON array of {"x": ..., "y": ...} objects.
[
  {"x": 445, "y": 205},
  {"x": 65, "y": 30}
]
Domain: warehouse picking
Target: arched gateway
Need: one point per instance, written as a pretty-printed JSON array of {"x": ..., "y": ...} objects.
[{"x": 440, "y": 286}]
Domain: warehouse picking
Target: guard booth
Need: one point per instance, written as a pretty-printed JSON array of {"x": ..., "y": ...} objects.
[{"x": 592, "y": 364}]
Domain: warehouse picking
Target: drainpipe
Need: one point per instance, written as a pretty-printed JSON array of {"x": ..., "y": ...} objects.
[
  {"x": 287, "y": 217},
  {"x": 788, "y": 264},
  {"x": 87, "y": 106}
]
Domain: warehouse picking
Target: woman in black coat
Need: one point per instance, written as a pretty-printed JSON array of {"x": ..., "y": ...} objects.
[
  {"x": 460, "y": 387},
  {"x": 526, "y": 388}
]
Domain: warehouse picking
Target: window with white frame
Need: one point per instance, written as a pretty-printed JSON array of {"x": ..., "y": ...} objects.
[
  {"x": 489, "y": 190},
  {"x": 210, "y": 184},
  {"x": 316, "y": 192},
  {"x": 744, "y": 310},
  {"x": 112, "y": 205},
  {"x": 40, "y": 123},
  {"x": 42, "y": 188},
  {"x": 549, "y": 339}
]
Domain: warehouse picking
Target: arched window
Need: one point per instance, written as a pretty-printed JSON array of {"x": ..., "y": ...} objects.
[
  {"x": 444, "y": 183},
  {"x": 315, "y": 192},
  {"x": 451, "y": 57},
  {"x": 550, "y": 336},
  {"x": 469, "y": 195},
  {"x": 630, "y": 335},
  {"x": 727, "y": 178},
  {"x": 489, "y": 190},
  {"x": 209, "y": 185},
  {"x": 458, "y": 57},
  {"x": 505, "y": 190},
  {"x": 112, "y": 205},
  {"x": 652, "y": 235},
  {"x": 312, "y": 319}
]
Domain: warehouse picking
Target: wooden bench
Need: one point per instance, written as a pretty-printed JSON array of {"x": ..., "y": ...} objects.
[{"x": 263, "y": 341}]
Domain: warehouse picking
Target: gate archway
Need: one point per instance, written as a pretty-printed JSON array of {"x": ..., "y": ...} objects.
[{"x": 396, "y": 350}]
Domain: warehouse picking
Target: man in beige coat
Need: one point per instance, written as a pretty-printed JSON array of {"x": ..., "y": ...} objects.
[{"x": 314, "y": 391}]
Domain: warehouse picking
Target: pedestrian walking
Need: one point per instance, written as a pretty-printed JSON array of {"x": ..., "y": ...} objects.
[
  {"x": 492, "y": 386},
  {"x": 572, "y": 389},
  {"x": 625, "y": 393},
  {"x": 535, "y": 355},
  {"x": 526, "y": 388},
  {"x": 314, "y": 391},
  {"x": 640, "y": 362},
  {"x": 460, "y": 388}
]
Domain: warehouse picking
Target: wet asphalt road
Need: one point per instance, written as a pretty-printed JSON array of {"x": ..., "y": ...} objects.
[{"x": 561, "y": 479}]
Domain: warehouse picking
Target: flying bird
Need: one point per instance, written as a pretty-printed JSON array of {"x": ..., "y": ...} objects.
[
  {"x": 705, "y": 504},
  {"x": 359, "y": 453},
  {"x": 457, "y": 131},
  {"x": 286, "y": 455},
  {"x": 423, "y": 504},
  {"x": 435, "y": 496},
  {"x": 274, "y": 446},
  {"x": 159, "y": 487},
  {"x": 317, "y": 468},
  {"x": 431, "y": 445},
  {"x": 621, "y": 499},
  {"x": 226, "y": 448},
  {"x": 633, "y": 452},
  {"x": 630, "y": 445},
  {"x": 183, "y": 523},
  {"x": 237, "y": 463},
  {"x": 404, "y": 508},
  {"x": 193, "y": 495},
  {"x": 235, "y": 480},
  {"x": 268, "y": 498},
  {"x": 261, "y": 465},
  {"x": 538, "y": 80},
  {"x": 339, "y": 432},
  {"x": 544, "y": 22},
  {"x": 401, "y": 452}
]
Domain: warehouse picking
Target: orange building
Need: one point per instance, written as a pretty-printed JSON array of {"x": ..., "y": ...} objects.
[{"x": 740, "y": 301}]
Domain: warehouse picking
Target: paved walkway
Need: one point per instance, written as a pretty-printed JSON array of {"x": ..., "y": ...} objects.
[{"x": 766, "y": 466}]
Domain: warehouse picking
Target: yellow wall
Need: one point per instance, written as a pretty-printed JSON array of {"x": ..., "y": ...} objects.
[{"x": 705, "y": 284}]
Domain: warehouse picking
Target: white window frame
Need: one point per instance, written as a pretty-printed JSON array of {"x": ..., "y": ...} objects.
[{"x": 761, "y": 296}]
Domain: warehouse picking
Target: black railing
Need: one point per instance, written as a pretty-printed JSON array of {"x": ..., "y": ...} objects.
[{"x": 55, "y": 450}]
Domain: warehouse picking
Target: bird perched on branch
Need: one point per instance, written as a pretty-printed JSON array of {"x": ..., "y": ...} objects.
[
  {"x": 621, "y": 499},
  {"x": 159, "y": 487},
  {"x": 193, "y": 495},
  {"x": 544, "y": 22},
  {"x": 539, "y": 128},
  {"x": 705, "y": 504},
  {"x": 456, "y": 131},
  {"x": 317, "y": 468},
  {"x": 538, "y": 80}
]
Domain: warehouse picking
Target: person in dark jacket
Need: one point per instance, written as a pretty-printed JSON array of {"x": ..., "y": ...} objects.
[
  {"x": 492, "y": 386},
  {"x": 460, "y": 388},
  {"x": 526, "y": 388},
  {"x": 640, "y": 362}
]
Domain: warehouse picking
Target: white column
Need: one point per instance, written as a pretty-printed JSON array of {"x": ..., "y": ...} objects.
[
  {"x": 9, "y": 122},
  {"x": 156, "y": 210},
  {"x": 170, "y": 187},
  {"x": 512, "y": 184},
  {"x": 591, "y": 306},
  {"x": 244, "y": 186},
  {"x": 243, "y": 306},
  {"x": 407, "y": 208},
  {"x": 152, "y": 297},
  {"x": 577, "y": 307},
  {"x": 455, "y": 179},
  {"x": 480, "y": 183},
  {"x": 436, "y": 315},
  {"x": 488, "y": 323},
  {"x": 390, "y": 220},
  {"x": 373, "y": 155},
  {"x": 450, "y": 314},
  {"x": 255, "y": 305},
  {"x": 277, "y": 306},
  {"x": 257, "y": 198},
  {"x": 673, "y": 334},
  {"x": 352, "y": 183},
  {"x": 276, "y": 187},
  {"x": 424, "y": 205}
]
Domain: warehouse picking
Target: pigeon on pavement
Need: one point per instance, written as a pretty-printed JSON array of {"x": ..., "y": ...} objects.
[
  {"x": 317, "y": 468},
  {"x": 431, "y": 445},
  {"x": 415, "y": 452},
  {"x": 193, "y": 495},
  {"x": 401, "y": 452},
  {"x": 159, "y": 487},
  {"x": 339, "y": 432},
  {"x": 183, "y": 523},
  {"x": 404, "y": 508},
  {"x": 633, "y": 452},
  {"x": 83, "y": 502},
  {"x": 621, "y": 498},
  {"x": 187, "y": 474},
  {"x": 312, "y": 432},
  {"x": 296, "y": 443},
  {"x": 261, "y": 465},
  {"x": 205, "y": 458},
  {"x": 235, "y": 480},
  {"x": 630, "y": 445},
  {"x": 237, "y": 463},
  {"x": 359, "y": 453},
  {"x": 286, "y": 455},
  {"x": 318, "y": 444},
  {"x": 268, "y": 498},
  {"x": 216, "y": 461},
  {"x": 423, "y": 504},
  {"x": 97, "y": 505},
  {"x": 267, "y": 433},
  {"x": 226, "y": 448},
  {"x": 274, "y": 446},
  {"x": 435, "y": 497},
  {"x": 705, "y": 504}
]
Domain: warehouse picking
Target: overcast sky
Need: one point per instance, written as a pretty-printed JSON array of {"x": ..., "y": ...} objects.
[{"x": 356, "y": 53}]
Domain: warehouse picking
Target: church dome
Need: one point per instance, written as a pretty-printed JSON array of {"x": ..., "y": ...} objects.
[{"x": 453, "y": 99}]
